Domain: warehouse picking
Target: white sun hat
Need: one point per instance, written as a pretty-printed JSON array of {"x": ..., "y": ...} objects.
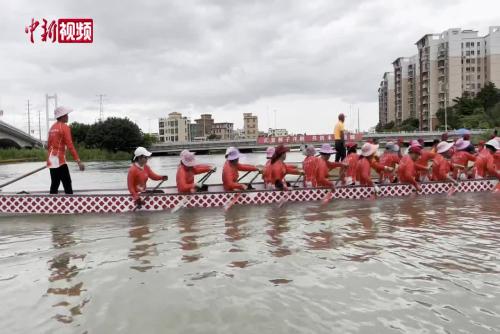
[
  {"x": 141, "y": 151},
  {"x": 61, "y": 111}
]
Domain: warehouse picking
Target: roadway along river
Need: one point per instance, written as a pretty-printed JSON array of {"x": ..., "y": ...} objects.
[{"x": 411, "y": 265}]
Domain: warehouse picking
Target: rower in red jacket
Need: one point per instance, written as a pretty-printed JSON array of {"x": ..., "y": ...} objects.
[
  {"x": 485, "y": 162},
  {"x": 187, "y": 170},
  {"x": 324, "y": 166},
  {"x": 389, "y": 158},
  {"x": 266, "y": 171},
  {"x": 351, "y": 160},
  {"x": 279, "y": 169},
  {"x": 407, "y": 170},
  {"x": 442, "y": 166},
  {"x": 366, "y": 162},
  {"x": 139, "y": 173},
  {"x": 461, "y": 158},
  {"x": 310, "y": 165},
  {"x": 230, "y": 172}
]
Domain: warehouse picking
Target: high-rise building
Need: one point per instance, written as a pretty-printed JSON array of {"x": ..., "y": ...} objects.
[
  {"x": 174, "y": 128},
  {"x": 448, "y": 65},
  {"x": 386, "y": 99},
  {"x": 250, "y": 126}
]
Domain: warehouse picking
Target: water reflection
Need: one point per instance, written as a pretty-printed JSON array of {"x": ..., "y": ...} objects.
[
  {"x": 142, "y": 248},
  {"x": 323, "y": 238},
  {"x": 189, "y": 230},
  {"x": 277, "y": 220},
  {"x": 235, "y": 221},
  {"x": 64, "y": 267}
]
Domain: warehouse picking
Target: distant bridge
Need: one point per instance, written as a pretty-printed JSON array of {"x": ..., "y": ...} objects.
[
  {"x": 250, "y": 145},
  {"x": 14, "y": 137}
]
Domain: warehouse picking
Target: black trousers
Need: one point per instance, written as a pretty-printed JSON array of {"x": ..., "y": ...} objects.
[
  {"x": 341, "y": 152},
  {"x": 58, "y": 175}
]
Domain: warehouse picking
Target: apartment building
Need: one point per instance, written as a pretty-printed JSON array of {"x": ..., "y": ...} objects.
[
  {"x": 174, "y": 128},
  {"x": 202, "y": 127},
  {"x": 224, "y": 130},
  {"x": 386, "y": 94},
  {"x": 250, "y": 126},
  {"x": 451, "y": 64}
]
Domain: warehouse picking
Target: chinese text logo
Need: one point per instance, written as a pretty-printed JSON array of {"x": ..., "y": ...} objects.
[{"x": 64, "y": 30}]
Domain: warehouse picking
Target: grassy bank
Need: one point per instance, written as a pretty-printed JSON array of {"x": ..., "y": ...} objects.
[{"x": 86, "y": 154}]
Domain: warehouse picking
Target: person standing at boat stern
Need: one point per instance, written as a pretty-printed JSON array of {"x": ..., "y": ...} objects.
[
  {"x": 339, "y": 137},
  {"x": 187, "y": 170},
  {"x": 230, "y": 172},
  {"x": 139, "y": 173},
  {"x": 58, "y": 141}
]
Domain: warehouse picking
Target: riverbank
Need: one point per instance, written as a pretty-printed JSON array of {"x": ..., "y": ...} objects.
[{"x": 13, "y": 155}]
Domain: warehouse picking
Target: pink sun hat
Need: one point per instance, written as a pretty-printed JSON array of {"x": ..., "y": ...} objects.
[
  {"x": 326, "y": 149},
  {"x": 368, "y": 149},
  {"x": 443, "y": 147},
  {"x": 187, "y": 158},
  {"x": 61, "y": 111},
  {"x": 270, "y": 152},
  {"x": 415, "y": 143},
  {"x": 462, "y": 144},
  {"x": 233, "y": 153}
]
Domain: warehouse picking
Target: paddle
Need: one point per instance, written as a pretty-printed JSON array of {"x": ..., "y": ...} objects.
[
  {"x": 249, "y": 186},
  {"x": 22, "y": 176},
  {"x": 139, "y": 205},
  {"x": 241, "y": 178},
  {"x": 231, "y": 202}
]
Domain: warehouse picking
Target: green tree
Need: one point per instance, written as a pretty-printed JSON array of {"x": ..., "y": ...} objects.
[
  {"x": 115, "y": 134},
  {"x": 149, "y": 139},
  {"x": 79, "y": 132}
]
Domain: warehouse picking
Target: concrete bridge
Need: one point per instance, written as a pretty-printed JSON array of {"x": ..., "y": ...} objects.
[
  {"x": 250, "y": 145},
  {"x": 14, "y": 137}
]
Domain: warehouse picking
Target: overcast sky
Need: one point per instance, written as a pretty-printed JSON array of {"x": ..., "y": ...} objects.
[{"x": 306, "y": 60}]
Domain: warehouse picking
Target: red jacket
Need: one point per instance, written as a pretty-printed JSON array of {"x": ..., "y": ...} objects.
[
  {"x": 60, "y": 139},
  {"x": 185, "y": 176},
  {"x": 137, "y": 178},
  {"x": 266, "y": 173},
  {"x": 230, "y": 175},
  {"x": 322, "y": 170},
  {"x": 310, "y": 165},
  {"x": 441, "y": 168},
  {"x": 423, "y": 162},
  {"x": 485, "y": 164},
  {"x": 363, "y": 174},
  {"x": 461, "y": 158},
  {"x": 351, "y": 160},
  {"x": 389, "y": 159},
  {"x": 407, "y": 170},
  {"x": 496, "y": 156},
  {"x": 279, "y": 170}
]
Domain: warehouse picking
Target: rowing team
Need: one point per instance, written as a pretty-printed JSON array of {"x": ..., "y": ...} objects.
[{"x": 450, "y": 163}]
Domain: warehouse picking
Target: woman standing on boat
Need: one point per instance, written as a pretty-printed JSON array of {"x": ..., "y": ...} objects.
[
  {"x": 139, "y": 174},
  {"x": 58, "y": 141},
  {"x": 230, "y": 172},
  {"x": 324, "y": 166},
  {"x": 309, "y": 165},
  {"x": 279, "y": 169},
  {"x": 187, "y": 170}
]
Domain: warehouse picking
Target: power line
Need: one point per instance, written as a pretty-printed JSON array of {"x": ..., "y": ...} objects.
[{"x": 101, "y": 108}]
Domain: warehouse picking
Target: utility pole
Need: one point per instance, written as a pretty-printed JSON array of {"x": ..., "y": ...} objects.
[
  {"x": 100, "y": 107},
  {"x": 39, "y": 125},
  {"x": 358, "y": 120},
  {"x": 29, "y": 121},
  {"x": 275, "y": 119},
  {"x": 47, "y": 117}
]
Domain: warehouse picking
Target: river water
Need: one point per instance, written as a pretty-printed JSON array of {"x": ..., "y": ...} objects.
[{"x": 411, "y": 265}]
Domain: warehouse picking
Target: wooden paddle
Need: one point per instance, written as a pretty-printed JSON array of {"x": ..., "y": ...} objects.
[
  {"x": 241, "y": 178},
  {"x": 138, "y": 206},
  {"x": 184, "y": 201},
  {"x": 23, "y": 176}
]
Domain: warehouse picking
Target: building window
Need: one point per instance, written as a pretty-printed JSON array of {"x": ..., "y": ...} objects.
[
  {"x": 467, "y": 44},
  {"x": 478, "y": 77},
  {"x": 479, "y": 69},
  {"x": 467, "y": 53}
]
